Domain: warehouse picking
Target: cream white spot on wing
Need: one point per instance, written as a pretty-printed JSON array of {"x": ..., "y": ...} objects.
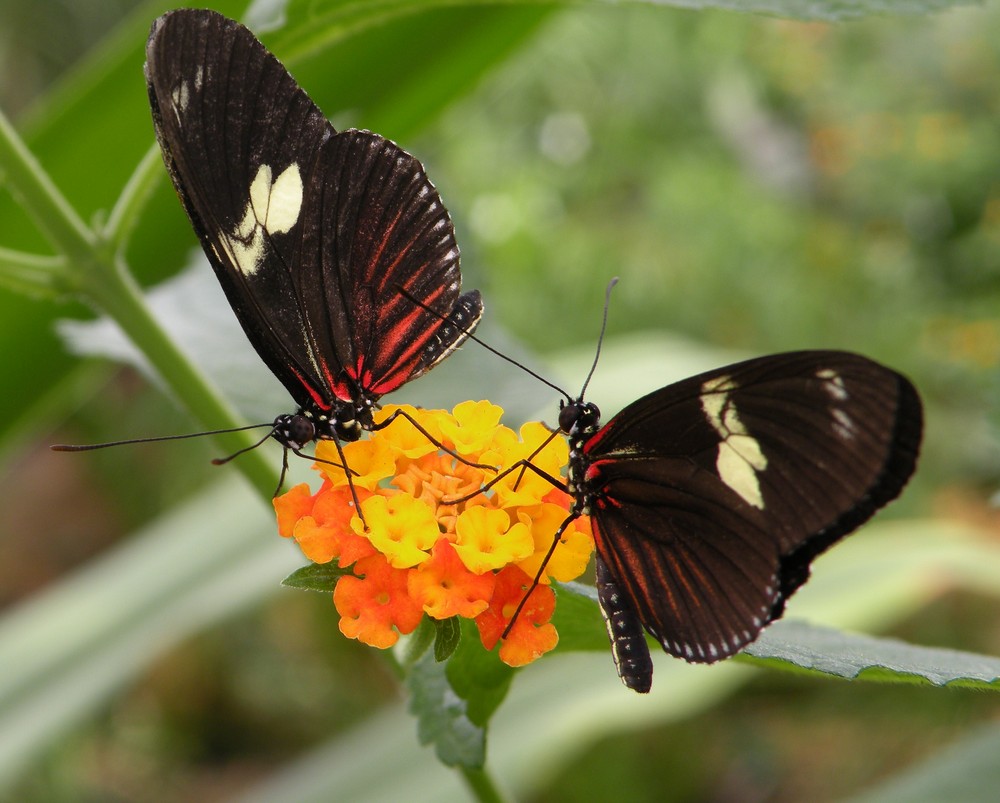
[
  {"x": 245, "y": 228},
  {"x": 833, "y": 383},
  {"x": 277, "y": 205},
  {"x": 740, "y": 458},
  {"x": 179, "y": 99},
  {"x": 843, "y": 424},
  {"x": 272, "y": 208}
]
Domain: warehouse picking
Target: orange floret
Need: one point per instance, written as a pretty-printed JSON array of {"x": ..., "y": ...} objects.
[
  {"x": 532, "y": 634},
  {"x": 376, "y": 607},
  {"x": 445, "y": 587}
]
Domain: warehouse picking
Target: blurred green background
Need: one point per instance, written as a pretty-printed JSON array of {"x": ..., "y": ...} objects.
[{"x": 758, "y": 184}]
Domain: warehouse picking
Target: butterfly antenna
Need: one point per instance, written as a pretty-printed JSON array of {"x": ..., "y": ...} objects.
[
  {"x": 600, "y": 338},
  {"x": 487, "y": 346},
  {"x": 221, "y": 461},
  {"x": 89, "y": 447}
]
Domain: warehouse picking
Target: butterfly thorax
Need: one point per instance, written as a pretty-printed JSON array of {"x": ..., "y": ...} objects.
[
  {"x": 345, "y": 422},
  {"x": 579, "y": 420}
]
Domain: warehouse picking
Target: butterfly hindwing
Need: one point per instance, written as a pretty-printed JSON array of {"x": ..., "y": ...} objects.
[
  {"x": 700, "y": 576},
  {"x": 711, "y": 496},
  {"x": 389, "y": 247}
]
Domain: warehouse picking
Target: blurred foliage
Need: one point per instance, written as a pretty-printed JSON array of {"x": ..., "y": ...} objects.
[{"x": 758, "y": 184}]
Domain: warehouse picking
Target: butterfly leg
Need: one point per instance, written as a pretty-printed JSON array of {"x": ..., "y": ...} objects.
[
  {"x": 527, "y": 461},
  {"x": 284, "y": 471},
  {"x": 541, "y": 569},
  {"x": 523, "y": 465},
  {"x": 348, "y": 471}
]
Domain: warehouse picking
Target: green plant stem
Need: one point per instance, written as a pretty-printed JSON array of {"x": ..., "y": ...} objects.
[
  {"x": 122, "y": 300},
  {"x": 94, "y": 271},
  {"x": 130, "y": 203},
  {"x": 482, "y": 785},
  {"x": 57, "y": 219},
  {"x": 31, "y": 274}
]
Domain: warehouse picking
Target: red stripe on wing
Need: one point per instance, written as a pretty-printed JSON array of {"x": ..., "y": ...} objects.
[
  {"x": 319, "y": 399},
  {"x": 408, "y": 335}
]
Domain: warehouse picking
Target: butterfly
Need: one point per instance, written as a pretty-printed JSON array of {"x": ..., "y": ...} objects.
[
  {"x": 709, "y": 498},
  {"x": 333, "y": 247}
]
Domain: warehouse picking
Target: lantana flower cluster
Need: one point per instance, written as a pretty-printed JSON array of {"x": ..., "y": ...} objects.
[{"x": 423, "y": 554}]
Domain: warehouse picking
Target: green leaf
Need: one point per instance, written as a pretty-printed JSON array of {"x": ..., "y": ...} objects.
[
  {"x": 70, "y": 647},
  {"x": 418, "y": 642},
  {"x": 448, "y": 637},
  {"x": 478, "y": 676},
  {"x": 320, "y": 577},
  {"x": 328, "y": 46},
  {"x": 829, "y": 10},
  {"x": 799, "y": 645},
  {"x": 578, "y": 619},
  {"x": 794, "y": 645},
  {"x": 453, "y": 701},
  {"x": 442, "y": 716}
]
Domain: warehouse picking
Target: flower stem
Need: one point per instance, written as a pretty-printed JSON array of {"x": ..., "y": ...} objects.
[
  {"x": 132, "y": 200},
  {"x": 53, "y": 213},
  {"x": 94, "y": 270},
  {"x": 31, "y": 274},
  {"x": 122, "y": 300},
  {"x": 482, "y": 785}
]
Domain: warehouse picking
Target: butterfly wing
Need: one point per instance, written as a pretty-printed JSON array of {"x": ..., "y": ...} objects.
[
  {"x": 312, "y": 233},
  {"x": 240, "y": 140},
  {"x": 712, "y": 496},
  {"x": 385, "y": 252}
]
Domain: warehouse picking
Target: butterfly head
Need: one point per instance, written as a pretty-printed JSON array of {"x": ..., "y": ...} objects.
[
  {"x": 578, "y": 418},
  {"x": 294, "y": 431}
]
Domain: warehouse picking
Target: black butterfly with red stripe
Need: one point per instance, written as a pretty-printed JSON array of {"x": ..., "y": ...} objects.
[
  {"x": 333, "y": 248},
  {"x": 710, "y": 498}
]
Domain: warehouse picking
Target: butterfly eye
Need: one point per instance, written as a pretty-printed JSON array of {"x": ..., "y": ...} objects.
[
  {"x": 590, "y": 417},
  {"x": 569, "y": 414}
]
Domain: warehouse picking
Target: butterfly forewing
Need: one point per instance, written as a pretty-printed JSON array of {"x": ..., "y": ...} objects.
[
  {"x": 240, "y": 140},
  {"x": 711, "y": 496}
]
